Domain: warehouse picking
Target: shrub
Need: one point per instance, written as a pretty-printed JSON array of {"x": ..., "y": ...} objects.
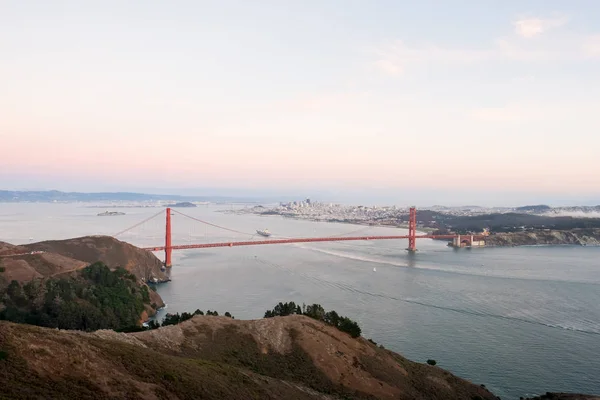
[
  {"x": 3, "y": 355},
  {"x": 431, "y": 362}
]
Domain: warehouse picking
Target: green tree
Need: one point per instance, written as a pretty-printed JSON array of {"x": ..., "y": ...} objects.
[
  {"x": 332, "y": 318},
  {"x": 349, "y": 326},
  {"x": 95, "y": 298},
  {"x": 283, "y": 309},
  {"x": 316, "y": 311},
  {"x": 171, "y": 319},
  {"x": 153, "y": 324}
]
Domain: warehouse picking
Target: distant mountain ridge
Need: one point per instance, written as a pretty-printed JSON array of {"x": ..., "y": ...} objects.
[{"x": 45, "y": 196}]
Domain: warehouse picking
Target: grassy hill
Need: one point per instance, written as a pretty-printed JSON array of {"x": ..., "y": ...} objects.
[
  {"x": 108, "y": 250},
  {"x": 293, "y": 357}
]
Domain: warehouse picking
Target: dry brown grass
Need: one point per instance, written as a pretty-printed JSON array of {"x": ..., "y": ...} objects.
[
  {"x": 107, "y": 250},
  {"x": 213, "y": 358},
  {"x": 44, "y": 363},
  {"x": 312, "y": 353}
]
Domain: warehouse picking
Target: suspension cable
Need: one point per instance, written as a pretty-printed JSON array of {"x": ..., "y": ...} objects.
[
  {"x": 222, "y": 227},
  {"x": 139, "y": 223},
  {"x": 214, "y": 225}
]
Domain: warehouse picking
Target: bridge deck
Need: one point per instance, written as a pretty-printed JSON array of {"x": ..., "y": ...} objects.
[{"x": 296, "y": 240}]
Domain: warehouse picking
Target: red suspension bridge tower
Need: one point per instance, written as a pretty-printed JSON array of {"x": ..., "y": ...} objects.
[
  {"x": 412, "y": 230},
  {"x": 168, "y": 244}
]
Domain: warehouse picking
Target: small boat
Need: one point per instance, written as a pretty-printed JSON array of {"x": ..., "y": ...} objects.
[{"x": 264, "y": 233}]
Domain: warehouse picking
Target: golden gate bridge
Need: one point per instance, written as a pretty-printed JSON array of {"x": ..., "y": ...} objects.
[{"x": 168, "y": 246}]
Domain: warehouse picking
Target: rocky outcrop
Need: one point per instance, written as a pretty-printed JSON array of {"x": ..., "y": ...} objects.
[{"x": 582, "y": 237}]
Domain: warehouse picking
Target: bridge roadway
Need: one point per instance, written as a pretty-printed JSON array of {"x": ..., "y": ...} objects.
[{"x": 296, "y": 240}]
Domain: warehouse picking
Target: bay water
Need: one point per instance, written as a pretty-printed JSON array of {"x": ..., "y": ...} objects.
[{"x": 521, "y": 320}]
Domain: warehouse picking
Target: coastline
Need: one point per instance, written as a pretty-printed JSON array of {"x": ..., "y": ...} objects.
[
  {"x": 548, "y": 237},
  {"x": 328, "y": 220}
]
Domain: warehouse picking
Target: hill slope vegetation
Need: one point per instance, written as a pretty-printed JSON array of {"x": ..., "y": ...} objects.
[{"x": 92, "y": 298}]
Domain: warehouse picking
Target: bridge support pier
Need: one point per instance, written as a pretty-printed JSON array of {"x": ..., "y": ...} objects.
[
  {"x": 168, "y": 245},
  {"x": 412, "y": 230}
]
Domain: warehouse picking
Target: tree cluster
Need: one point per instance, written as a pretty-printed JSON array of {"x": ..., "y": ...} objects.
[
  {"x": 316, "y": 311},
  {"x": 174, "y": 319},
  {"x": 95, "y": 298},
  {"x": 283, "y": 309}
]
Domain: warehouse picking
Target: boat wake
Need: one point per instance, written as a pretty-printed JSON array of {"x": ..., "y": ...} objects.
[
  {"x": 592, "y": 330},
  {"x": 452, "y": 270}
]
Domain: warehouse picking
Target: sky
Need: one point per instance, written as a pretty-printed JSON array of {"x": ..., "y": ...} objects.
[{"x": 435, "y": 102}]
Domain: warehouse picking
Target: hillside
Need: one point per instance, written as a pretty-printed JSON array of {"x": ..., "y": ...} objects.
[
  {"x": 511, "y": 222},
  {"x": 92, "y": 298},
  {"x": 7, "y": 248},
  {"x": 583, "y": 237},
  {"x": 108, "y": 250},
  {"x": 59, "y": 258},
  {"x": 20, "y": 264},
  {"x": 209, "y": 357}
]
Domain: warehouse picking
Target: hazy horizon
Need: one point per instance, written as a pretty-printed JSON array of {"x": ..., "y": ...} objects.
[
  {"x": 375, "y": 197},
  {"x": 425, "y": 103}
]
